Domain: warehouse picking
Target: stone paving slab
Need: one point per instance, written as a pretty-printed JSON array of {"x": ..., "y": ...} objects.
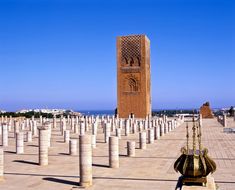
[{"x": 151, "y": 169}]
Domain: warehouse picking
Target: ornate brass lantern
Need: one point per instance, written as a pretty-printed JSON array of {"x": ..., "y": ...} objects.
[{"x": 194, "y": 164}]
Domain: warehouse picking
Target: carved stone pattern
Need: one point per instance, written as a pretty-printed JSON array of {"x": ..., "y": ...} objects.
[
  {"x": 131, "y": 48},
  {"x": 132, "y": 84}
]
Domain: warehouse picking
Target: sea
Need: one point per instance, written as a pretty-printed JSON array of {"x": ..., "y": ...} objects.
[
  {"x": 96, "y": 112},
  {"x": 101, "y": 112}
]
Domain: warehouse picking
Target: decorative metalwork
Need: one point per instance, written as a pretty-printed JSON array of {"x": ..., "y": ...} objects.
[{"x": 194, "y": 164}]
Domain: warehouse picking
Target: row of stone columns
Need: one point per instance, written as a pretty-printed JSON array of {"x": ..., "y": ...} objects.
[
  {"x": 85, "y": 154},
  {"x": 87, "y": 142},
  {"x": 85, "y": 157}
]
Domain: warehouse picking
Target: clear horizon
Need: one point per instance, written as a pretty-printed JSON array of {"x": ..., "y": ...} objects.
[
  {"x": 91, "y": 110},
  {"x": 63, "y": 53}
]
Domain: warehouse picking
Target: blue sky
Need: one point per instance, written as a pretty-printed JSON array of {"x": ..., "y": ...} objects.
[{"x": 62, "y": 54}]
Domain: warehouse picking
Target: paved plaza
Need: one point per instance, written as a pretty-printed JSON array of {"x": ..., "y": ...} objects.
[{"x": 150, "y": 169}]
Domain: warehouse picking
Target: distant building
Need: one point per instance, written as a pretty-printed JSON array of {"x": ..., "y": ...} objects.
[{"x": 49, "y": 111}]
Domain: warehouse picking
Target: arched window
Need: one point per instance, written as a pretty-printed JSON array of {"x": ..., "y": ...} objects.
[
  {"x": 132, "y": 85},
  {"x": 136, "y": 61}
]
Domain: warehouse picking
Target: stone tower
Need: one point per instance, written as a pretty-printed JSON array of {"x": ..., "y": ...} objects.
[{"x": 133, "y": 76}]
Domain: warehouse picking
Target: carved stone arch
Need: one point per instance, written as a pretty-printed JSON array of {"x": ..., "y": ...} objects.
[
  {"x": 136, "y": 61},
  {"x": 125, "y": 61},
  {"x": 131, "y": 84}
]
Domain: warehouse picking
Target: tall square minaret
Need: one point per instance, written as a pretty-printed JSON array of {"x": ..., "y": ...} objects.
[{"x": 133, "y": 76}]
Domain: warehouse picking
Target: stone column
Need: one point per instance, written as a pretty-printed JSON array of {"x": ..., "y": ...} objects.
[
  {"x": 34, "y": 128},
  {"x": 54, "y": 122},
  {"x": 1, "y": 163},
  {"x": 140, "y": 126},
  {"x": 16, "y": 127},
  {"x": 2, "y": 119},
  {"x": 113, "y": 152},
  {"x": 63, "y": 127},
  {"x": 169, "y": 126},
  {"x": 120, "y": 123},
  {"x": 176, "y": 123},
  {"x": 149, "y": 124},
  {"x": 142, "y": 138},
  {"x": 41, "y": 120},
  {"x": 113, "y": 126},
  {"x": 4, "y": 135},
  {"x": 224, "y": 120},
  {"x": 131, "y": 148},
  {"x": 82, "y": 128},
  {"x": 133, "y": 127},
  {"x": 93, "y": 141},
  {"x": 172, "y": 125},
  {"x": 72, "y": 123},
  {"x": 165, "y": 128},
  {"x": 19, "y": 143},
  {"x": 94, "y": 128},
  {"x": 162, "y": 129},
  {"x": 127, "y": 127},
  {"x": 150, "y": 136},
  {"x": 10, "y": 124},
  {"x": 66, "y": 136},
  {"x": 76, "y": 128},
  {"x": 29, "y": 136},
  {"x": 73, "y": 147},
  {"x": 118, "y": 133},
  {"x": 47, "y": 126},
  {"x": 156, "y": 132},
  {"x": 85, "y": 158},
  {"x": 22, "y": 125},
  {"x": 27, "y": 123},
  {"x": 86, "y": 125},
  {"x": 107, "y": 132},
  {"x": 200, "y": 120},
  {"x": 0, "y": 128},
  {"x": 145, "y": 124},
  {"x": 43, "y": 146}
]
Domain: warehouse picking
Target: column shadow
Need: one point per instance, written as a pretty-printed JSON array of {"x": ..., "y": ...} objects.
[
  {"x": 57, "y": 180},
  {"x": 100, "y": 142},
  {"x": 10, "y": 152},
  {"x": 100, "y": 165},
  {"x": 62, "y": 153},
  {"x": 32, "y": 145},
  {"x": 25, "y": 162}
]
